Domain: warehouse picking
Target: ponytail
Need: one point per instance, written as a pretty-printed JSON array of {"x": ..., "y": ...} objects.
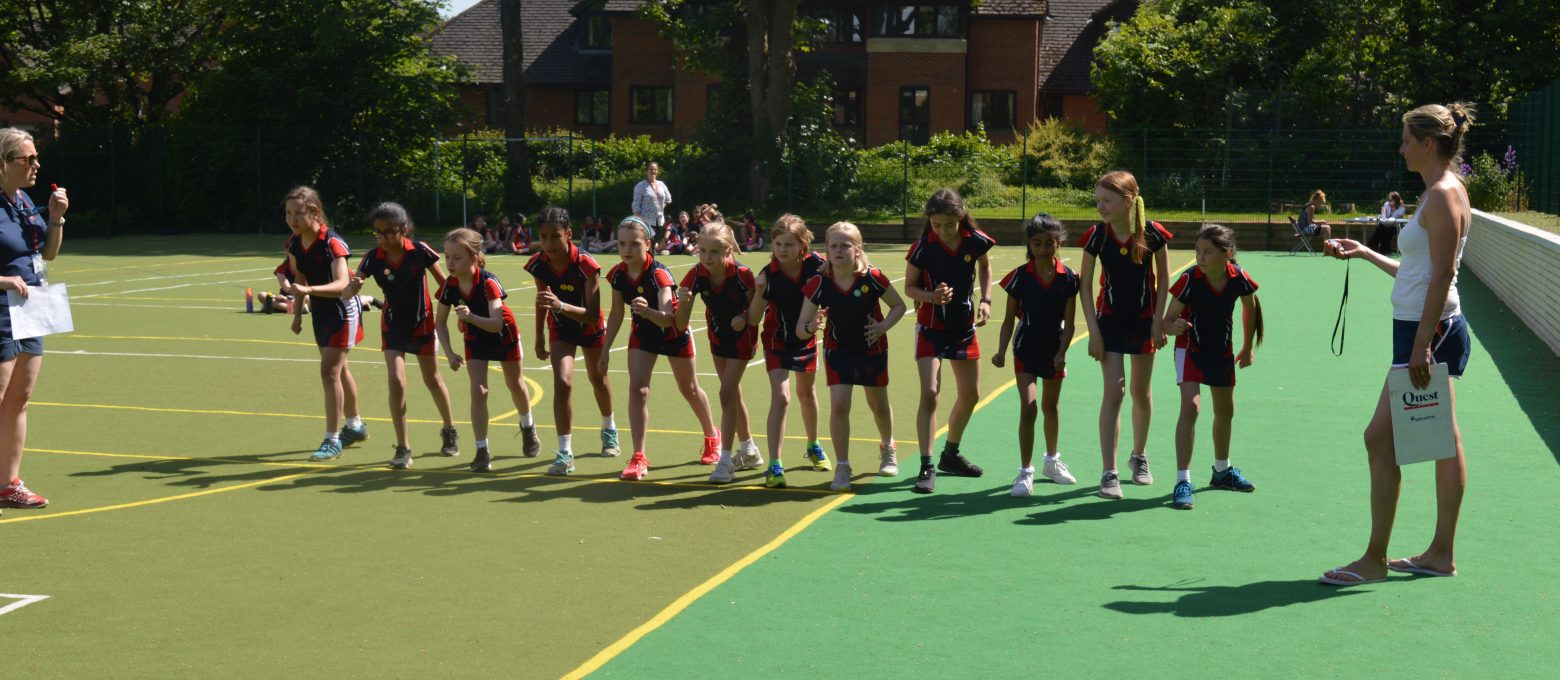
[
  {"x": 1256, "y": 313},
  {"x": 1139, "y": 223}
]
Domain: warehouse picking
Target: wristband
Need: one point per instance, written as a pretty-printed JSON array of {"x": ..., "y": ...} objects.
[{"x": 985, "y": 300}]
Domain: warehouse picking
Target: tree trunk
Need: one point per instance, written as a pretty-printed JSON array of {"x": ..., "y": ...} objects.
[
  {"x": 518, "y": 192},
  {"x": 771, "y": 27}
]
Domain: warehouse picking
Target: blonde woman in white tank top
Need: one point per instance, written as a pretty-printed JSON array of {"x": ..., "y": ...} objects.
[{"x": 1428, "y": 329}]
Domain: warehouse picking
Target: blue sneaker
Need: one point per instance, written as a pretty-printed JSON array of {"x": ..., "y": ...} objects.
[
  {"x": 819, "y": 459},
  {"x": 774, "y": 477},
  {"x": 350, "y": 435},
  {"x": 330, "y": 449},
  {"x": 1181, "y": 498},
  {"x": 609, "y": 442},
  {"x": 1232, "y": 480}
]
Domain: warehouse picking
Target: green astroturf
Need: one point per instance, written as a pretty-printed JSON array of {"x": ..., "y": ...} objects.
[{"x": 348, "y": 569}]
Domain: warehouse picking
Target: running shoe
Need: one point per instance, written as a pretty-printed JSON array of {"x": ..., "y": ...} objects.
[
  {"x": 563, "y": 463},
  {"x": 1024, "y": 484},
  {"x": 17, "y": 495},
  {"x": 725, "y": 472},
  {"x": 1110, "y": 486},
  {"x": 819, "y": 459},
  {"x": 1138, "y": 464},
  {"x": 1056, "y": 471},
  {"x": 926, "y": 482},
  {"x": 482, "y": 462},
  {"x": 1182, "y": 497},
  {"x": 1232, "y": 480},
  {"x": 638, "y": 468},
  {"x": 957, "y": 465},
  {"x": 609, "y": 442},
  {"x": 402, "y": 458},
  {"x": 330, "y": 449},
  {"x": 747, "y": 456},
  {"x": 841, "y": 477},
  {"x": 774, "y": 477},
  {"x": 888, "y": 461},
  {"x": 710, "y": 454},
  {"x": 449, "y": 441},
  {"x": 532, "y": 446},
  {"x": 352, "y": 435}
]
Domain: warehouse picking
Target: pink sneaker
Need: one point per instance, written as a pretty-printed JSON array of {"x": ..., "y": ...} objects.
[
  {"x": 17, "y": 495},
  {"x": 711, "y": 453},
  {"x": 638, "y": 468}
]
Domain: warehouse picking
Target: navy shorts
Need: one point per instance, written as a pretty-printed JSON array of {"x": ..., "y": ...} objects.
[
  {"x": 845, "y": 367},
  {"x": 1131, "y": 335},
  {"x": 1450, "y": 344},
  {"x": 419, "y": 340},
  {"x": 1204, "y": 368},
  {"x": 956, "y": 345},
  {"x": 337, "y": 323},
  {"x": 797, "y": 359},
  {"x": 557, "y": 335},
  {"x": 9, "y": 347},
  {"x": 1038, "y": 364}
]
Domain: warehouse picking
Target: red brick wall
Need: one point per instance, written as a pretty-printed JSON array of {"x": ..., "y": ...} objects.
[
  {"x": 942, "y": 74},
  {"x": 641, "y": 57},
  {"x": 549, "y": 108},
  {"x": 1084, "y": 111},
  {"x": 1004, "y": 55}
]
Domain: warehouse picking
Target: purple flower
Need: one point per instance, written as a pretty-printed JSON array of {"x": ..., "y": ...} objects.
[
  {"x": 1508, "y": 163},
  {"x": 1465, "y": 170}
]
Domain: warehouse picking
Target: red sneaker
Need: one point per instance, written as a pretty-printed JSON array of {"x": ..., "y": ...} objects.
[
  {"x": 711, "y": 453},
  {"x": 638, "y": 467},
  {"x": 16, "y": 495}
]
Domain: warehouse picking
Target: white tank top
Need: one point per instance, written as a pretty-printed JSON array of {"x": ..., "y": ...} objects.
[{"x": 1412, "y": 284}]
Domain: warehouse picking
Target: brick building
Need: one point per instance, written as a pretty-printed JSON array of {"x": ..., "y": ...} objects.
[{"x": 900, "y": 70}]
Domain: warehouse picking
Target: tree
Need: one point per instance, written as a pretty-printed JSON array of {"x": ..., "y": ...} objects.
[
  {"x": 518, "y": 192},
  {"x": 91, "y": 62}
]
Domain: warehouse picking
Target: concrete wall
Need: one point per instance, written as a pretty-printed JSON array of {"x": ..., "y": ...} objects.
[{"x": 1521, "y": 265}]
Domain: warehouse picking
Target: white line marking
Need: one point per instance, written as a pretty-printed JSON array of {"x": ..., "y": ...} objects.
[
  {"x": 21, "y": 601},
  {"x": 168, "y": 276},
  {"x": 182, "y": 285}
]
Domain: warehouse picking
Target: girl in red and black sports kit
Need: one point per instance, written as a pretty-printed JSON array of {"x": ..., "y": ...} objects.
[
  {"x": 941, "y": 277},
  {"x": 726, "y": 288},
  {"x": 568, "y": 301},
  {"x": 1042, "y": 297},
  {"x": 855, "y": 347},
  {"x": 1124, "y": 318},
  {"x": 317, "y": 256},
  {"x": 646, "y": 286},
  {"x": 400, "y": 265},
  {"x": 1201, "y": 315},
  {"x": 778, "y": 301},
  {"x": 491, "y": 334}
]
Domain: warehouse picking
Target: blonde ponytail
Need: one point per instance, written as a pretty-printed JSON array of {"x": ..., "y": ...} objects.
[{"x": 1139, "y": 224}]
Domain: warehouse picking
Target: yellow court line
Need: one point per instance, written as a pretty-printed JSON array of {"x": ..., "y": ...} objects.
[
  {"x": 155, "y": 501},
  {"x": 688, "y": 598}
]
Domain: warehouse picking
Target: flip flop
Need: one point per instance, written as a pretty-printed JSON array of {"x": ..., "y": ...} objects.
[
  {"x": 1358, "y": 580},
  {"x": 1407, "y": 566}
]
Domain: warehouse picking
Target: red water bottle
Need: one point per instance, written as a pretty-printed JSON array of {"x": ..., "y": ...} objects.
[{"x": 249, "y": 300}]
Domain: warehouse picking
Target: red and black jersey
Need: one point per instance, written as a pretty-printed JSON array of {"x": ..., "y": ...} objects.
[
  {"x": 1041, "y": 306},
  {"x": 954, "y": 266},
  {"x": 785, "y": 296},
  {"x": 314, "y": 263},
  {"x": 851, "y": 309},
  {"x": 569, "y": 285},
  {"x": 285, "y": 269},
  {"x": 1210, "y": 312},
  {"x": 724, "y": 303},
  {"x": 652, "y": 278},
  {"x": 1127, "y": 288},
  {"x": 484, "y": 290},
  {"x": 404, "y": 282}
]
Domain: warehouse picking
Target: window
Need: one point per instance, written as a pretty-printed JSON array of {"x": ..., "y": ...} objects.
[
  {"x": 918, "y": 21},
  {"x": 590, "y": 107},
  {"x": 915, "y": 107},
  {"x": 995, "y": 109},
  {"x": 839, "y": 25},
  {"x": 1053, "y": 106},
  {"x": 847, "y": 108},
  {"x": 649, "y": 104},
  {"x": 596, "y": 33},
  {"x": 495, "y": 105}
]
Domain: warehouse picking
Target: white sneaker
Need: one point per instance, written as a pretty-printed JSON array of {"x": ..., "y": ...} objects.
[
  {"x": 748, "y": 457},
  {"x": 889, "y": 467},
  {"x": 841, "y": 477},
  {"x": 1024, "y": 484},
  {"x": 1056, "y": 471},
  {"x": 724, "y": 472}
]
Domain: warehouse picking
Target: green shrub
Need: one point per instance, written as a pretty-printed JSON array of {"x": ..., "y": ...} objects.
[{"x": 1060, "y": 154}]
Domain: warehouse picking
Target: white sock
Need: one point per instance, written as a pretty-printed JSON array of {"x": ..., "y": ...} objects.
[
  {"x": 748, "y": 444},
  {"x": 1052, "y": 457},
  {"x": 609, "y": 423},
  {"x": 725, "y": 455},
  {"x": 1027, "y": 470},
  {"x": 564, "y": 440},
  {"x": 481, "y": 443},
  {"x": 1221, "y": 465},
  {"x": 525, "y": 420},
  {"x": 1111, "y": 471},
  {"x": 355, "y": 421},
  {"x": 333, "y": 436},
  {"x": 1183, "y": 475}
]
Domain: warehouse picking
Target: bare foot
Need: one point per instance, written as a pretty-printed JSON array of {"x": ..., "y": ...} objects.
[
  {"x": 1361, "y": 570},
  {"x": 1425, "y": 563}
]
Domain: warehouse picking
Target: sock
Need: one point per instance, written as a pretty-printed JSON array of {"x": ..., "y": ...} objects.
[
  {"x": 1052, "y": 457},
  {"x": 608, "y": 423},
  {"x": 355, "y": 422},
  {"x": 564, "y": 440},
  {"x": 525, "y": 420},
  {"x": 1112, "y": 471},
  {"x": 1183, "y": 475},
  {"x": 713, "y": 436},
  {"x": 748, "y": 444},
  {"x": 926, "y": 461},
  {"x": 1028, "y": 470},
  {"x": 950, "y": 448},
  {"x": 333, "y": 436},
  {"x": 725, "y": 455},
  {"x": 814, "y": 444},
  {"x": 889, "y": 443},
  {"x": 775, "y": 462},
  {"x": 1221, "y": 465},
  {"x": 481, "y": 443}
]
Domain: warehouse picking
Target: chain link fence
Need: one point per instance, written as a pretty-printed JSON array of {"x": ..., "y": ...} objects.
[{"x": 1535, "y": 134}]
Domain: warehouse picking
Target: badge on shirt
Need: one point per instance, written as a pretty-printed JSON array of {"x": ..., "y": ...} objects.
[
  {"x": 1123, "y": 250},
  {"x": 967, "y": 258}
]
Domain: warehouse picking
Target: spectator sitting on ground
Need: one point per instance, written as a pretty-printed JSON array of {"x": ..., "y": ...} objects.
[
  {"x": 521, "y": 243},
  {"x": 503, "y": 232},
  {"x": 588, "y": 237},
  {"x": 1308, "y": 222},
  {"x": 675, "y": 245},
  {"x": 753, "y": 238}
]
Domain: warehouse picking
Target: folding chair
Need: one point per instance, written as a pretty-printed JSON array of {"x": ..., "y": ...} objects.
[{"x": 1302, "y": 239}]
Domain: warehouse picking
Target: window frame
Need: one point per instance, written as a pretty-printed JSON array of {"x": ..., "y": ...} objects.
[
  {"x": 924, "y": 132},
  {"x": 633, "y": 104},
  {"x": 606, "y": 107},
  {"x": 1012, "y": 101}
]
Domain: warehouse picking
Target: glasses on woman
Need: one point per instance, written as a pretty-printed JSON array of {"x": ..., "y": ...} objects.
[
  {"x": 28, "y": 160},
  {"x": 386, "y": 234}
]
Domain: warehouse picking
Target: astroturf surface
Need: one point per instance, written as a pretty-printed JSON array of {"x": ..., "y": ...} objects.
[{"x": 188, "y": 535}]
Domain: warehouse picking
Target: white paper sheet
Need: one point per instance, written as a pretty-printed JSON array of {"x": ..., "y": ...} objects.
[
  {"x": 1421, "y": 419},
  {"x": 45, "y": 311}
]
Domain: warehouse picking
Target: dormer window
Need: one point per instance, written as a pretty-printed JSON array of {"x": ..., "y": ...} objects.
[{"x": 596, "y": 32}]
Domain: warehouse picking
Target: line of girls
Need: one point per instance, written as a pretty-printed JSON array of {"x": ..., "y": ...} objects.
[{"x": 789, "y": 299}]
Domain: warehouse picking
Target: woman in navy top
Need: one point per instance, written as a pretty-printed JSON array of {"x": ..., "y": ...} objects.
[{"x": 28, "y": 235}]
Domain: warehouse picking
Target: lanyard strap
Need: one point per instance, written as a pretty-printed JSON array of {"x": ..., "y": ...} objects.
[{"x": 1342, "y": 324}]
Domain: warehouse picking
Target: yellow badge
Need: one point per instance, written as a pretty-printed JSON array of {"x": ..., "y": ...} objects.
[
  {"x": 864, "y": 289},
  {"x": 566, "y": 287},
  {"x": 1123, "y": 250},
  {"x": 641, "y": 289},
  {"x": 968, "y": 258}
]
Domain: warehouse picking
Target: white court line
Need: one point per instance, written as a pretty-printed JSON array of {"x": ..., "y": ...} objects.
[
  {"x": 21, "y": 601},
  {"x": 126, "y": 304},
  {"x": 182, "y": 285},
  {"x": 168, "y": 276}
]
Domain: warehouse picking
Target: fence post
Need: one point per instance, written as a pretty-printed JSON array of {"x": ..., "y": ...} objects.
[
  {"x": 1023, "y": 178},
  {"x": 571, "y": 171},
  {"x": 593, "y": 176},
  {"x": 436, "y": 180},
  {"x": 1272, "y": 144},
  {"x": 465, "y": 163},
  {"x": 904, "y": 193},
  {"x": 1144, "y": 170},
  {"x": 259, "y": 187},
  {"x": 162, "y": 180}
]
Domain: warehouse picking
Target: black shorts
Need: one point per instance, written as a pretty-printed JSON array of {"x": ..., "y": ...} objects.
[
  {"x": 337, "y": 323},
  {"x": 1450, "y": 344},
  {"x": 1127, "y": 335},
  {"x": 484, "y": 346},
  {"x": 799, "y": 359},
  {"x": 558, "y": 334},
  {"x": 1039, "y": 364},
  {"x": 959, "y": 345},
  {"x": 740, "y": 346},
  {"x": 416, "y": 339},
  {"x": 845, "y": 367},
  {"x": 1204, "y": 368}
]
